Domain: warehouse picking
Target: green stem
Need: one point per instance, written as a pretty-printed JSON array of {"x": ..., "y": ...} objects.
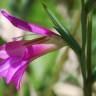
[
  {"x": 84, "y": 30},
  {"x": 82, "y": 57},
  {"x": 84, "y": 39},
  {"x": 86, "y": 21},
  {"x": 83, "y": 24},
  {"x": 89, "y": 49}
]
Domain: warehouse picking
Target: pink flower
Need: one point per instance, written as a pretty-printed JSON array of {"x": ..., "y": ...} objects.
[{"x": 15, "y": 56}]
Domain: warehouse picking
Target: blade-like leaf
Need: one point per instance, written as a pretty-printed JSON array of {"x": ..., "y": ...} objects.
[
  {"x": 53, "y": 18},
  {"x": 65, "y": 34}
]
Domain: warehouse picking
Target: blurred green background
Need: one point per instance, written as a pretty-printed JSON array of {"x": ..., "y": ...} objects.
[{"x": 57, "y": 73}]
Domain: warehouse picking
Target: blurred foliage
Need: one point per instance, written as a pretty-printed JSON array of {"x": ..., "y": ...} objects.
[{"x": 42, "y": 71}]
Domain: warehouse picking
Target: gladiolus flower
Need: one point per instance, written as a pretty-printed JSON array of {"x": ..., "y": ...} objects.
[{"x": 15, "y": 56}]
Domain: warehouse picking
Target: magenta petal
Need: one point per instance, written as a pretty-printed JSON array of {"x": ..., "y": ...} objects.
[
  {"x": 12, "y": 70},
  {"x": 37, "y": 50},
  {"x": 18, "y": 76},
  {"x": 15, "y": 48},
  {"x": 3, "y": 53},
  {"x": 27, "y": 26},
  {"x": 4, "y": 66},
  {"x": 15, "y": 64}
]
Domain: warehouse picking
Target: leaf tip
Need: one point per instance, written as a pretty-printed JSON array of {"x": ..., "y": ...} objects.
[{"x": 44, "y": 5}]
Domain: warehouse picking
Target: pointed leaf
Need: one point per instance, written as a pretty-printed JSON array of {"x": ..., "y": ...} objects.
[
  {"x": 65, "y": 34},
  {"x": 54, "y": 19}
]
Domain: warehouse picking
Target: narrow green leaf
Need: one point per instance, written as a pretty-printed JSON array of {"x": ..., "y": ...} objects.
[
  {"x": 65, "y": 34},
  {"x": 54, "y": 19}
]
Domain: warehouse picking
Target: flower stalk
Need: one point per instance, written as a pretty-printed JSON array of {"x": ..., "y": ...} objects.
[
  {"x": 86, "y": 22},
  {"x": 89, "y": 51}
]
